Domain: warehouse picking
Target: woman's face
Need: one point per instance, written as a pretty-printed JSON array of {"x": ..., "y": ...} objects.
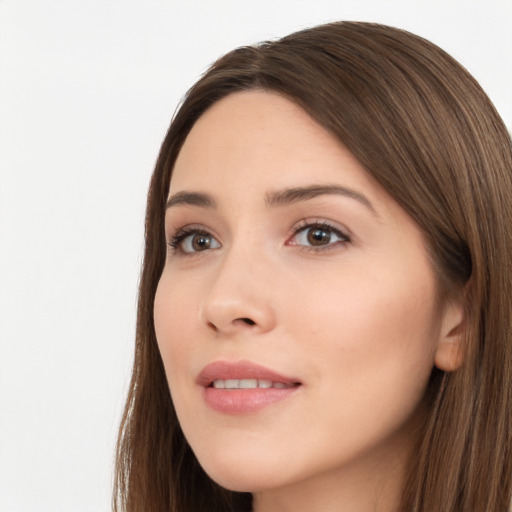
[{"x": 296, "y": 314}]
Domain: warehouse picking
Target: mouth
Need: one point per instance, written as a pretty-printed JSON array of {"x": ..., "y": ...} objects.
[
  {"x": 250, "y": 384},
  {"x": 244, "y": 387},
  {"x": 243, "y": 375}
]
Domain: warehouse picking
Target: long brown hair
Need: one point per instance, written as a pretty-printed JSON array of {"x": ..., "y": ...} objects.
[{"x": 422, "y": 126}]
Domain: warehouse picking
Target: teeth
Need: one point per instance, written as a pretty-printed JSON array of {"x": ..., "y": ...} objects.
[
  {"x": 249, "y": 384},
  {"x": 232, "y": 383}
]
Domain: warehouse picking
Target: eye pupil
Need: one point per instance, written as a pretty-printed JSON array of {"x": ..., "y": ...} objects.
[
  {"x": 318, "y": 236},
  {"x": 201, "y": 242}
]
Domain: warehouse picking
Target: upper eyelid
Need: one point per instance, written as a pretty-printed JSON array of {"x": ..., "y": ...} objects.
[
  {"x": 321, "y": 222},
  {"x": 171, "y": 231},
  {"x": 177, "y": 240},
  {"x": 187, "y": 230},
  {"x": 303, "y": 223}
]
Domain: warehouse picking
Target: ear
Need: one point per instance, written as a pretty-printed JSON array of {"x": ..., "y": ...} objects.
[{"x": 449, "y": 351}]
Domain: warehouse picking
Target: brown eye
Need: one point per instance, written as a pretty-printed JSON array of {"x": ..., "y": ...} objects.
[
  {"x": 200, "y": 242},
  {"x": 317, "y": 236},
  {"x": 189, "y": 242}
]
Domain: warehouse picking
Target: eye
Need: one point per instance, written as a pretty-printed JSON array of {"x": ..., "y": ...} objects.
[
  {"x": 318, "y": 235},
  {"x": 189, "y": 241}
]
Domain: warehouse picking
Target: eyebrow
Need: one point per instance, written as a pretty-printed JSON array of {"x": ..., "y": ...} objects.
[
  {"x": 191, "y": 198},
  {"x": 277, "y": 198},
  {"x": 294, "y": 195}
]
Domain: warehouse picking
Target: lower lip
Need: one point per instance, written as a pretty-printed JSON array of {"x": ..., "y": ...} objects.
[{"x": 242, "y": 401}]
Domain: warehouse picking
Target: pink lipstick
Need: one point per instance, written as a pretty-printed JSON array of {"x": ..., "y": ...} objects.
[{"x": 243, "y": 387}]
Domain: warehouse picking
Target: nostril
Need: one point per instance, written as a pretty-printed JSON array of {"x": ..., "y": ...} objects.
[
  {"x": 212, "y": 326},
  {"x": 239, "y": 321}
]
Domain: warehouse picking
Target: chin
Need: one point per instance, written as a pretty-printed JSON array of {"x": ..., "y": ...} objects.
[
  {"x": 241, "y": 475},
  {"x": 239, "y": 482}
]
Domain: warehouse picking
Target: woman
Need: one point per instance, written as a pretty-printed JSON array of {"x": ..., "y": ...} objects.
[{"x": 325, "y": 303}]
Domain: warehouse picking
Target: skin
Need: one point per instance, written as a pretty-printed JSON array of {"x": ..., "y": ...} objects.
[{"x": 356, "y": 318}]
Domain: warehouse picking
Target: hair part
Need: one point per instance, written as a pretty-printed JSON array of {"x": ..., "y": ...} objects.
[{"x": 421, "y": 125}]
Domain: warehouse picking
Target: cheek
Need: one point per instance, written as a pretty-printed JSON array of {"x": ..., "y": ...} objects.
[
  {"x": 173, "y": 318},
  {"x": 361, "y": 310},
  {"x": 370, "y": 349},
  {"x": 372, "y": 339}
]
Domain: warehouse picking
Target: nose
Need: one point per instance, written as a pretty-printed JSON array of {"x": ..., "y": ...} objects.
[{"x": 239, "y": 298}]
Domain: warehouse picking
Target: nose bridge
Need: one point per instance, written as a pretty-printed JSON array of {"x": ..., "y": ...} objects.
[{"x": 239, "y": 297}]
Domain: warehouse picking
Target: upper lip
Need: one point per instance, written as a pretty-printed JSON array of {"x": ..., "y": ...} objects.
[{"x": 222, "y": 370}]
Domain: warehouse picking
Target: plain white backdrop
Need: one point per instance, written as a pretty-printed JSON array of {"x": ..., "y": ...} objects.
[{"x": 87, "y": 90}]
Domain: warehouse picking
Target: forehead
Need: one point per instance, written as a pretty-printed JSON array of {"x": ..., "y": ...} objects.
[{"x": 266, "y": 141}]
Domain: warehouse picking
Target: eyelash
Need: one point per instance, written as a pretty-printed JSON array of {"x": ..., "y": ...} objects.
[
  {"x": 180, "y": 235},
  {"x": 306, "y": 224},
  {"x": 177, "y": 239}
]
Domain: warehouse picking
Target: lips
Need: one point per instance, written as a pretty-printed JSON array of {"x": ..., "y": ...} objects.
[
  {"x": 224, "y": 370},
  {"x": 244, "y": 387}
]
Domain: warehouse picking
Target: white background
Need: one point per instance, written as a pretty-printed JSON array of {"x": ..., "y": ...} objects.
[{"x": 87, "y": 89}]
